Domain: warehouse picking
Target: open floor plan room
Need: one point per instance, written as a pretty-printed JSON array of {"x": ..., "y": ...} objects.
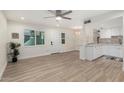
[{"x": 61, "y": 46}]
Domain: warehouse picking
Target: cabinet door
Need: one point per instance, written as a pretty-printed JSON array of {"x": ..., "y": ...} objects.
[
  {"x": 112, "y": 51},
  {"x": 121, "y": 52},
  {"x": 115, "y": 51},
  {"x": 97, "y": 51},
  {"x": 89, "y": 53}
]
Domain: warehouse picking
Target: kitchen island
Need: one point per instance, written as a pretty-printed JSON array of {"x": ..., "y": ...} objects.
[{"x": 94, "y": 51}]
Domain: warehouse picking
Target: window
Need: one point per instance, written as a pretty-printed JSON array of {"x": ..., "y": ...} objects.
[
  {"x": 63, "y": 38},
  {"x": 29, "y": 37},
  {"x": 40, "y": 38}
]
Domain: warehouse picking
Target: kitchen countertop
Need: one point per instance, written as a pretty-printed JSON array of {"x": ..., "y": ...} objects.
[{"x": 92, "y": 44}]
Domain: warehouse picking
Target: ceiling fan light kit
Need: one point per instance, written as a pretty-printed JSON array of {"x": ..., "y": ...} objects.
[{"x": 58, "y": 18}]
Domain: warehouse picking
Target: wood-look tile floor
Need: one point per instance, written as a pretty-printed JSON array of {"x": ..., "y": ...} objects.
[{"x": 64, "y": 67}]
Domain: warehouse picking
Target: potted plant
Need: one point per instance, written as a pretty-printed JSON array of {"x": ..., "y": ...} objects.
[{"x": 14, "y": 51}]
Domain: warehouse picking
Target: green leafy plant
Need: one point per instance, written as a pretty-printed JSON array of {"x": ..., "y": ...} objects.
[{"x": 14, "y": 51}]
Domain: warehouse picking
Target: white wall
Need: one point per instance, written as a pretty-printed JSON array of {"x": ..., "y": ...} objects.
[
  {"x": 3, "y": 42},
  {"x": 123, "y": 44},
  {"x": 108, "y": 32},
  {"x": 89, "y": 33},
  {"x": 77, "y": 39},
  {"x": 111, "y": 27},
  {"x": 32, "y": 51}
]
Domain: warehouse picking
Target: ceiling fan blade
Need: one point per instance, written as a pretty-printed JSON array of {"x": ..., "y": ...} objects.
[
  {"x": 53, "y": 12},
  {"x": 68, "y": 12},
  {"x": 66, "y": 18},
  {"x": 50, "y": 17}
]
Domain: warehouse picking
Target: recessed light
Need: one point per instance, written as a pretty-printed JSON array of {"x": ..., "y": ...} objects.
[
  {"x": 57, "y": 25},
  {"x": 22, "y": 18},
  {"x": 58, "y": 18},
  {"x": 77, "y": 27},
  {"x": 77, "y": 33}
]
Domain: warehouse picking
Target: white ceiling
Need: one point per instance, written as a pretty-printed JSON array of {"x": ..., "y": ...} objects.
[
  {"x": 116, "y": 22},
  {"x": 37, "y": 17}
]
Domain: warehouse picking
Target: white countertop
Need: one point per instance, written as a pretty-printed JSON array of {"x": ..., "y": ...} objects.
[{"x": 103, "y": 44}]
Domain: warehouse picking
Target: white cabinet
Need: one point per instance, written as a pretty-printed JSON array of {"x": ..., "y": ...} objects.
[
  {"x": 83, "y": 52},
  {"x": 95, "y": 51},
  {"x": 115, "y": 51},
  {"x": 98, "y": 51},
  {"x": 89, "y": 53}
]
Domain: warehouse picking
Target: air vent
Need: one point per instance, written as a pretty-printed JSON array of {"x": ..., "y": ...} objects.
[{"x": 87, "y": 21}]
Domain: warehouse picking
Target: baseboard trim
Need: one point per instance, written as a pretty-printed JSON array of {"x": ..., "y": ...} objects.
[{"x": 28, "y": 57}]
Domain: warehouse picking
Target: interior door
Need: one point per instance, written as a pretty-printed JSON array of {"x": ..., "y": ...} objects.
[{"x": 55, "y": 42}]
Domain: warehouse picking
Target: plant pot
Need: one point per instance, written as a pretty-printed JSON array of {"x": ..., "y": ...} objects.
[{"x": 14, "y": 59}]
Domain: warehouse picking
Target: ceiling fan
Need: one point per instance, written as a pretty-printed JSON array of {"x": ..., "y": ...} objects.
[{"x": 59, "y": 14}]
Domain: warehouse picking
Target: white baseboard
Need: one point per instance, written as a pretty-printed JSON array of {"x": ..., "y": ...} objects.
[{"x": 27, "y": 57}]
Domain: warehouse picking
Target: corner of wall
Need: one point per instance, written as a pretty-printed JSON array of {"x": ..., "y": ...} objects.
[
  {"x": 3, "y": 43},
  {"x": 3, "y": 69}
]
